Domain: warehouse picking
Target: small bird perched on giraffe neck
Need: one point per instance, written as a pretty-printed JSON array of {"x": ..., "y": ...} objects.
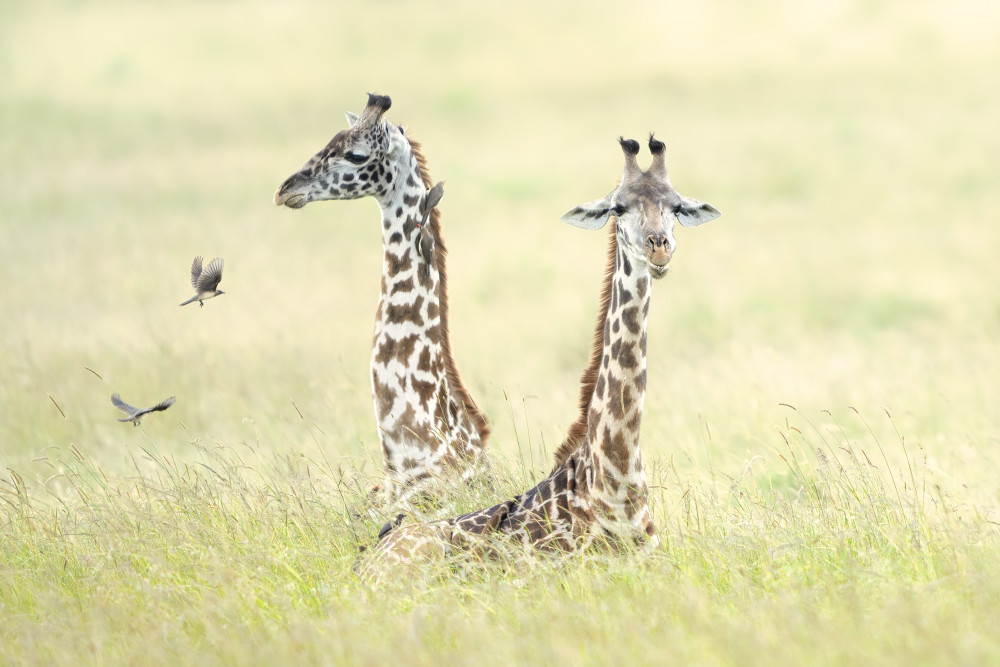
[{"x": 205, "y": 281}]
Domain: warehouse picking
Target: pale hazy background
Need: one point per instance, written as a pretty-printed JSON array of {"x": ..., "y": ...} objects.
[{"x": 851, "y": 146}]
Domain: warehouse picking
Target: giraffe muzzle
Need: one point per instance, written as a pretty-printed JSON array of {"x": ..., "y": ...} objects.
[
  {"x": 291, "y": 201},
  {"x": 658, "y": 254},
  {"x": 289, "y": 194}
]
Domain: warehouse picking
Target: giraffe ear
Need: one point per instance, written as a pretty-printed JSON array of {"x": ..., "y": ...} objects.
[
  {"x": 592, "y": 215},
  {"x": 397, "y": 142},
  {"x": 692, "y": 212},
  {"x": 352, "y": 118}
]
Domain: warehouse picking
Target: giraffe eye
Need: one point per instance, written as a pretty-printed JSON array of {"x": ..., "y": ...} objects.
[
  {"x": 355, "y": 158},
  {"x": 619, "y": 210}
]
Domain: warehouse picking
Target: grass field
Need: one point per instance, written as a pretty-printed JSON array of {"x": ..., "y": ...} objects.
[{"x": 821, "y": 427}]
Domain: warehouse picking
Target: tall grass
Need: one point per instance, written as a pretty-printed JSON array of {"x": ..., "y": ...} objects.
[{"x": 234, "y": 554}]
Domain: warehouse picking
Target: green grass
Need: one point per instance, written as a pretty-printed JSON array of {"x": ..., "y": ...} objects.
[{"x": 852, "y": 151}]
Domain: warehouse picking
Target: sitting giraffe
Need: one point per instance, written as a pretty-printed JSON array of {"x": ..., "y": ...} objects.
[
  {"x": 427, "y": 422},
  {"x": 598, "y": 490}
]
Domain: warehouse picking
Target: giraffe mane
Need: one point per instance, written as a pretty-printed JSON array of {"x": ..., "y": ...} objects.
[
  {"x": 440, "y": 254},
  {"x": 577, "y": 433}
]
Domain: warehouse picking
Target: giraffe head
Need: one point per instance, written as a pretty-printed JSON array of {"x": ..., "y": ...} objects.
[
  {"x": 646, "y": 207},
  {"x": 358, "y": 161}
]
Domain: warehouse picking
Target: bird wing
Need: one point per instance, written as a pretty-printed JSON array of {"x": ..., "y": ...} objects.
[
  {"x": 117, "y": 401},
  {"x": 210, "y": 277},
  {"x": 432, "y": 198},
  {"x": 195, "y": 271},
  {"x": 163, "y": 405}
]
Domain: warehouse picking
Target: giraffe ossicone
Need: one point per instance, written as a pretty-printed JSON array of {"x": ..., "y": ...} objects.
[
  {"x": 428, "y": 424},
  {"x": 597, "y": 491}
]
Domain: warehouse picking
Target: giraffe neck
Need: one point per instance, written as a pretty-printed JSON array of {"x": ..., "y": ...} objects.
[
  {"x": 616, "y": 483},
  {"x": 427, "y": 423}
]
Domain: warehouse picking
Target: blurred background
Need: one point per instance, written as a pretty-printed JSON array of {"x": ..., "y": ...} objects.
[{"x": 852, "y": 147}]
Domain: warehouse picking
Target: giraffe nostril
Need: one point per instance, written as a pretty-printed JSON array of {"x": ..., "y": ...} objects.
[{"x": 656, "y": 241}]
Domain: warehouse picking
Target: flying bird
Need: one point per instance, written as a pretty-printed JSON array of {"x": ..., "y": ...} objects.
[
  {"x": 134, "y": 413},
  {"x": 205, "y": 281}
]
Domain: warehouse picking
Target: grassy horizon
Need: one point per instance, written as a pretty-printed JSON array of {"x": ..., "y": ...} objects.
[{"x": 820, "y": 424}]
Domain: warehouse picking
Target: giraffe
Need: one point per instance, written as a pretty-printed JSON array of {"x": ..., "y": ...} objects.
[
  {"x": 428, "y": 424},
  {"x": 597, "y": 490}
]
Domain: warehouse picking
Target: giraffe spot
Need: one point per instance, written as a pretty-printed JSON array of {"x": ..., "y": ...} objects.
[
  {"x": 602, "y": 506},
  {"x": 640, "y": 382},
  {"x": 386, "y": 224},
  {"x": 398, "y": 264},
  {"x": 607, "y": 333},
  {"x": 403, "y": 286},
  {"x": 386, "y": 351},
  {"x": 619, "y": 454},
  {"x": 614, "y": 297},
  {"x": 626, "y": 296},
  {"x": 397, "y": 237},
  {"x": 626, "y": 398},
  {"x": 641, "y": 286},
  {"x": 618, "y": 442},
  {"x": 409, "y": 463},
  {"x": 399, "y": 211},
  {"x": 350, "y": 187},
  {"x": 397, "y": 313},
  {"x": 432, "y": 310},
  {"x": 348, "y": 178},
  {"x": 614, "y": 392},
  {"x": 424, "y": 361},
  {"x": 630, "y": 318},
  {"x": 634, "y": 421},
  {"x": 410, "y": 200},
  {"x": 616, "y": 348},
  {"x": 626, "y": 265},
  {"x": 409, "y": 432},
  {"x": 612, "y": 483},
  {"x": 384, "y": 397},
  {"x": 363, "y": 176},
  {"x": 606, "y": 360},
  {"x": 396, "y": 349},
  {"x": 424, "y": 276},
  {"x": 599, "y": 386},
  {"x": 627, "y": 358},
  {"x": 425, "y": 390},
  {"x": 411, "y": 183},
  {"x": 616, "y": 327},
  {"x": 620, "y": 398},
  {"x": 406, "y": 346},
  {"x": 497, "y": 515}
]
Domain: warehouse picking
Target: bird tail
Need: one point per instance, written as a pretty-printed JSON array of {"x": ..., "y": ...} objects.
[{"x": 191, "y": 300}]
